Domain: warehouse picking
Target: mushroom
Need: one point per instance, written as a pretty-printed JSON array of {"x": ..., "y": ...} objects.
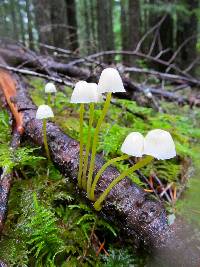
[
  {"x": 159, "y": 144},
  {"x": 133, "y": 145},
  {"x": 85, "y": 93},
  {"x": 49, "y": 89},
  {"x": 109, "y": 82},
  {"x": 43, "y": 113}
]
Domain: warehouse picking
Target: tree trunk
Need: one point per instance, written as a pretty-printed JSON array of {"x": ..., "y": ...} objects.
[
  {"x": 164, "y": 36},
  {"x": 188, "y": 29},
  {"x": 14, "y": 20},
  {"x": 130, "y": 27},
  {"x": 30, "y": 26},
  {"x": 105, "y": 27},
  {"x": 59, "y": 24},
  {"x": 72, "y": 24},
  {"x": 43, "y": 22},
  {"x": 93, "y": 25},
  {"x": 133, "y": 25},
  {"x": 21, "y": 22},
  {"x": 124, "y": 30}
]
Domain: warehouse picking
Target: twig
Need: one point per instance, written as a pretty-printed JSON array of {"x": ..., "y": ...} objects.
[
  {"x": 40, "y": 75},
  {"x": 149, "y": 32}
]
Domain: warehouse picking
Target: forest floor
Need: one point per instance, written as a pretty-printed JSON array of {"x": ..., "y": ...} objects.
[{"x": 49, "y": 225}]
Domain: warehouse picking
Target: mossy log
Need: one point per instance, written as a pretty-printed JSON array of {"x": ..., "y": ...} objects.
[{"x": 139, "y": 216}]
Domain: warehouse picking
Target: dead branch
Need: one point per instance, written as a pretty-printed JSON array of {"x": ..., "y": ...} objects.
[
  {"x": 39, "y": 75},
  {"x": 163, "y": 76}
]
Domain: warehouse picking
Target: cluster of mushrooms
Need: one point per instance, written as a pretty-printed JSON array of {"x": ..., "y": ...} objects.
[{"x": 156, "y": 144}]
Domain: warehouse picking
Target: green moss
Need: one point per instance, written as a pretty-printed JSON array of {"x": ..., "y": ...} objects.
[{"x": 48, "y": 224}]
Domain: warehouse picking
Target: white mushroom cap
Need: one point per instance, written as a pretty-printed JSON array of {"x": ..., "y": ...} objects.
[
  {"x": 133, "y": 144},
  {"x": 159, "y": 144},
  {"x": 110, "y": 81},
  {"x": 50, "y": 88},
  {"x": 85, "y": 93},
  {"x": 44, "y": 112}
]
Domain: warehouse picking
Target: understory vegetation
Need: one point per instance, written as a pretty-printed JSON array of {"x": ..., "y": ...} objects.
[{"x": 48, "y": 224}]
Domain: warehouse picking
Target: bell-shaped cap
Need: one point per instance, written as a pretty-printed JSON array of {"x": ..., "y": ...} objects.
[
  {"x": 44, "y": 112},
  {"x": 133, "y": 144},
  {"x": 110, "y": 81},
  {"x": 159, "y": 144},
  {"x": 85, "y": 93},
  {"x": 50, "y": 88}
]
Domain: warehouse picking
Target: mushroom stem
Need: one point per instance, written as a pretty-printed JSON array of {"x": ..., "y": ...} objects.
[
  {"x": 95, "y": 141},
  {"x": 49, "y": 100},
  {"x": 138, "y": 165},
  {"x": 91, "y": 118},
  {"x": 81, "y": 147},
  {"x": 45, "y": 139},
  {"x": 100, "y": 172}
]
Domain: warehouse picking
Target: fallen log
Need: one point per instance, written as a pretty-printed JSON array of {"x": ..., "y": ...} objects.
[
  {"x": 6, "y": 178},
  {"x": 139, "y": 216},
  {"x": 16, "y": 55},
  {"x": 19, "y": 58}
]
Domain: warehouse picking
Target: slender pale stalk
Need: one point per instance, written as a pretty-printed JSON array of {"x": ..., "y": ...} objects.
[
  {"x": 100, "y": 172},
  {"x": 49, "y": 100},
  {"x": 138, "y": 165},
  {"x": 95, "y": 141},
  {"x": 45, "y": 139},
  {"x": 81, "y": 147},
  {"x": 91, "y": 118}
]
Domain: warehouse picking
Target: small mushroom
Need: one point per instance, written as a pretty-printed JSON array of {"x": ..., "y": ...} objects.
[
  {"x": 109, "y": 82},
  {"x": 133, "y": 145},
  {"x": 159, "y": 144},
  {"x": 43, "y": 113},
  {"x": 49, "y": 89},
  {"x": 85, "y": 93}
]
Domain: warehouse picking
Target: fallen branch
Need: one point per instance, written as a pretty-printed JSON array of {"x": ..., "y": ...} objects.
[
  {"x": 47, "y": 68},
  {"x": 164, "y": 76},
  {"x": 39, "y": 75}
]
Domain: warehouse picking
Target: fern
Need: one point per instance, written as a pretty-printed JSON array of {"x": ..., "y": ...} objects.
[
  {"x": 119, "y": 258},
  {"x": 10, "y": 158},
  {"x": 43, "y": 233}
]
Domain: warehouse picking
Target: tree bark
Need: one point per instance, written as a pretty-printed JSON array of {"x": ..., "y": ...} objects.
[
  {"x": 43, "y": 22},
  {"x": 14, "y": 20},
  {"x": 124, "y": 30},
  {"x": 59, "y": 26},
  {"x": 130, "y": 28},
  {"x": 30, "y": 25},
  {"x": 72, "y": 24},
  {"x": 21, "y": 22},
  {"x": 105, "y": 27},
  {"x": 133, "y": 26},
  {"x": 188, "y": 29}
]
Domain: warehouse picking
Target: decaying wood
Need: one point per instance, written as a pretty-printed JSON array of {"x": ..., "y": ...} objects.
[
  {"x": 19, "y": 56},
  {"x": 22, "y": 60},
  {"x": 128, "y": 206},
  {"x": 5, "y": 182}
]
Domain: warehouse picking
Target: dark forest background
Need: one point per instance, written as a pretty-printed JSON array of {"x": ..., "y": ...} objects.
[{"x": 89, "y": 26}]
